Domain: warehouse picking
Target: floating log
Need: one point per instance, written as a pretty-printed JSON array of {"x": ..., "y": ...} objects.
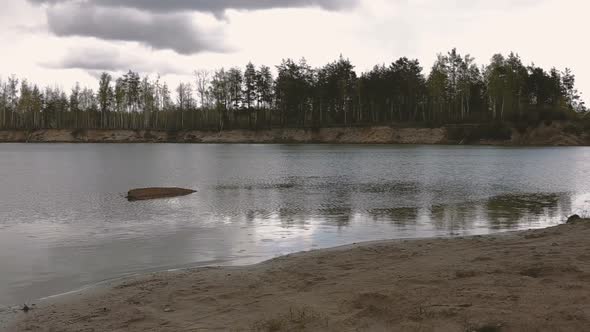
[{"x": 143, "y": 194}]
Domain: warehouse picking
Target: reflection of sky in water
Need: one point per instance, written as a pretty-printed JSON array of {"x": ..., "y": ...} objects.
[{"x": 64, "y": 222}]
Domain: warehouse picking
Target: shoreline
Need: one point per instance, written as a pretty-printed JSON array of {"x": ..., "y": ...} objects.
[
  {"x": 512, "y": 281},
  {"x": 554, "y": 134}
]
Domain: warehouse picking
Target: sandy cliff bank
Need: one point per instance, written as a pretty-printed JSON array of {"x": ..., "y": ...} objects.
[
  {"x": 551, "y": 135},
  {"x": 326, "y": 135},
  {"x": 527, "y": 281}
]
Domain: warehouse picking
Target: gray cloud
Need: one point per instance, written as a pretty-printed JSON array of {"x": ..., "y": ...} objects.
[
  {"x": 219, "y": 6},
  {"x": 211, "y": 6},
  {"x": 175, "y": 31},
  {"x": 108, "y": 59},
  {"x": 156, "y": 23}
]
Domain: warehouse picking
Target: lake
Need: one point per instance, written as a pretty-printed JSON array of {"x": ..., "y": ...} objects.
[{"x": 65, "y": 224}]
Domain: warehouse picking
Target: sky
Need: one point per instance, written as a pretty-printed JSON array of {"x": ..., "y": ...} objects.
[{"x": 60, "y": 42}]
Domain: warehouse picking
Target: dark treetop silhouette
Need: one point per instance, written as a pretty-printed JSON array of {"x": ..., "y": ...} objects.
[{"x": 455, "y": 91}]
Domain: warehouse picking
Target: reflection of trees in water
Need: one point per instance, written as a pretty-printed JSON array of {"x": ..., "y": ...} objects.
[
  {"x": 397, "y": 216},
  {"x": 388, "y": 187},
  {"x": 501, "y": 212},
  {"x": 288, "y": 217},
  {"x": 257, "y": 186},
  {"x": 331, "y": 200},
  {"x": 334, "y": 202},
  {"x": 336, "y": 216},
  {"x": 453, "y": 217},
  {"x": 291, "y": 216},
  {"x": 252, "y": 215},
  {"x": 508, "y": 211}
]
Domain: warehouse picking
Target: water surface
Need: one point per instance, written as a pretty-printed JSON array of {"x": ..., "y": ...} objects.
[{"x": 64, "y": 222}]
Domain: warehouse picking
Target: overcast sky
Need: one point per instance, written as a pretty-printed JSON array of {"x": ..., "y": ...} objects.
[{"x": 64, "y": 41}]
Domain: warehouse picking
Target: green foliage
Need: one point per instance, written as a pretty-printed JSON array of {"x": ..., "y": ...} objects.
[
  {"x": 456, "y": 91},
  {"x": 249, "y": 86}
]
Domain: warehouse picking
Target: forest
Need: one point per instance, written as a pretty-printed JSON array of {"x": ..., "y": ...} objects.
[{"x": 455, "y": 91}]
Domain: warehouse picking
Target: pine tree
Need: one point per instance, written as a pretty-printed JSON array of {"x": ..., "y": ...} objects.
[{"x": 250, "y": 91}]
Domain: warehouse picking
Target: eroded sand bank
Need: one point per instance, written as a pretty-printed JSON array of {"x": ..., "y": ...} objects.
[{"x": 554, "y": 134}]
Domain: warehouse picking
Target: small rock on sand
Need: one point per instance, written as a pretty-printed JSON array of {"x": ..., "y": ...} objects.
[{"x": 574, "y": 218}]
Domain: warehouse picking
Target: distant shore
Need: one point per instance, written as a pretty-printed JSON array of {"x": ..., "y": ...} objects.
[
  {"x": 520, "y": 281},
  {"x": 543, "y": 135}
]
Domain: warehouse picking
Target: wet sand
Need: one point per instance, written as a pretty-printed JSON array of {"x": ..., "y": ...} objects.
[{"x": 524, "y": 281}]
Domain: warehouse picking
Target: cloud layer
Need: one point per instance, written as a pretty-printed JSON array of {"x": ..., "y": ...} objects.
[
  {"x": 176, "y": 32},
  {"x": 156, "y": 24},
  {"x": 93, "y": 59},
  {"x": 210, "y": 6},
  {"x": 375, "y": 31}
]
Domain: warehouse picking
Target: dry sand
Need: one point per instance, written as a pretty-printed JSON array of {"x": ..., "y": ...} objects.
[
  {"x": 368, "y": 135},
  {"x": 526, "y": 281}
]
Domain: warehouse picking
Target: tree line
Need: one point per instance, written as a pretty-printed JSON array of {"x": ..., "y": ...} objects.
[{"x": 455, "y": 91}]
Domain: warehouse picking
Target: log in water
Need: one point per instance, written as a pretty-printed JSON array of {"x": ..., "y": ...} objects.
[{"x": 143, "y": 194}]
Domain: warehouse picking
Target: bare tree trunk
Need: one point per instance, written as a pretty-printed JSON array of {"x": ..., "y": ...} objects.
[{"x": 502, "y": 113}]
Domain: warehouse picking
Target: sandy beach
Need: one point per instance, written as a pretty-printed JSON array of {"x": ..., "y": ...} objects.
[{"x": 523, "y": 281}]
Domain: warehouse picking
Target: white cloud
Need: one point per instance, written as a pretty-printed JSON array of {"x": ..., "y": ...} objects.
[{"x": 548, "y": 32}]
